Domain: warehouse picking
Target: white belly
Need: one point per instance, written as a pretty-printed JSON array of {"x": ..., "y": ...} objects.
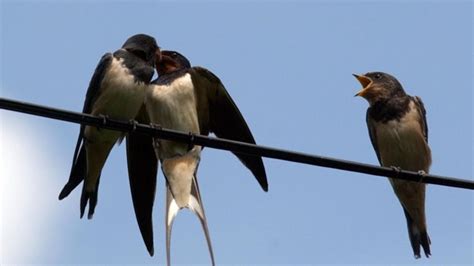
[
  {"x": 402, "y": 144},
  {"x": 120, "y": 98},
  {"x": 173, "y": 106}
]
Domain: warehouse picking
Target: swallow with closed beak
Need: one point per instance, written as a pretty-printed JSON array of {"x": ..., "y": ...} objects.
[{"x": 117, "y": 90}]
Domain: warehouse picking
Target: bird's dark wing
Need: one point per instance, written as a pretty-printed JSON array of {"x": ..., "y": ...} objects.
[
  {"x": 93, "y": 91},
  {"x": 226, "y": 121},
  {"x": 421, "y": 110},
  {"x": 142, "y": 171},
  {"x": 79, "y": 167},
  {"x": 372, "y": 134}
]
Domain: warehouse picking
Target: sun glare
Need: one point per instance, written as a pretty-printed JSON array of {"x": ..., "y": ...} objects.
[{"x": 27, "y": 190}]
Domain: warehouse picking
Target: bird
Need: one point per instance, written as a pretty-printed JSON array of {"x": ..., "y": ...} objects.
[
  {"x": 116, "y": 90},
  {"x": 192, "y": 99},
  {"x": 398, "y": 131}
]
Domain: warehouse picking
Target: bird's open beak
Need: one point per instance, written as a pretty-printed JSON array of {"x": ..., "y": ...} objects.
[
  {"x": 166, "y": 56},
  {"x": 365, "y": 82}
]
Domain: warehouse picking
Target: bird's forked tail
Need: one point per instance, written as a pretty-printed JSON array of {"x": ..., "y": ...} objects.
[
  {"x": 417, "y": 237},
  {"x": 183, "y": 192}
]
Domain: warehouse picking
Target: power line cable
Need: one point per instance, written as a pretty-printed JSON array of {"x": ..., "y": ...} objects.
[{"x": 231, "y": 145}]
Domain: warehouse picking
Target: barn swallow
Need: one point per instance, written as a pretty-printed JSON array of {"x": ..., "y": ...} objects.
[
  {"x": 399, "y": 134},
  {"x": 192, "y": 99},
  {"x": 117, "y": 90}
]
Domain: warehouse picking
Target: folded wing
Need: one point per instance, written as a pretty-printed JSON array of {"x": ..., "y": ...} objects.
[
  {"x": 226, "y": 121},
  {"x": 142, "y": 171}
]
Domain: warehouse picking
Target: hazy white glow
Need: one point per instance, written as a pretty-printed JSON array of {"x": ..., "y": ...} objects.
[{"x": 27, "y": 192}]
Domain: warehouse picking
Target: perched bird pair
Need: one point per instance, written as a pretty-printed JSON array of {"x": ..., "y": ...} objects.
[{"x": 183, "y": 98}]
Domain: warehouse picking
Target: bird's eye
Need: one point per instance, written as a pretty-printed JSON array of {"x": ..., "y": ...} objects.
[
  {"x": 378, "y": 76},
  {"x": 174, "y": 54}
]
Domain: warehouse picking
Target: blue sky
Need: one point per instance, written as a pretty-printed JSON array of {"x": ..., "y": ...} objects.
[{"x": 288, "y": 67}]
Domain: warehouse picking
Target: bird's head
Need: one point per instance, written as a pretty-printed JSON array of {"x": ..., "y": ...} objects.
[
  {"x": 171, "y": 61},
  {"x": 143, "y": 47},
  {"x": 378, "y": 86}
]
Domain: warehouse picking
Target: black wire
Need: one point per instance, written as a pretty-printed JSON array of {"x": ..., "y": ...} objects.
[{"x": 230, "y": 145}]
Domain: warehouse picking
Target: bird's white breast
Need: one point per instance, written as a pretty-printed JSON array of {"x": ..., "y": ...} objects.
[
  {"x": 402, "y": 144},
  {"x": 173, "y": 106},
  {"x": 121, "y": 96}
]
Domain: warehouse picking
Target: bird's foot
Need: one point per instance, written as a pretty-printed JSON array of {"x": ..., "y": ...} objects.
[
  {"x": 133, "y": 125},
  {"x": 422, "y": 175},
  {"x": 156, "y": 141},
  {"x": 191, "y": 140},
  {"x": 155, "y": 126},
  {"x": 103, "y": 122},
  {"x": 397, "y": 170}
]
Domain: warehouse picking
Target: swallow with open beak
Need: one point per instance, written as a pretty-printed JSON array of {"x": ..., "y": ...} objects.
[
  {"x": 192, "y": 99},
  {"x": 117, "y": 90},
  {"x": 399, "y": 134}
]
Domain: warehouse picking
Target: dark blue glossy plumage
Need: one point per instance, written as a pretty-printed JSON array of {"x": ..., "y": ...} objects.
[{"x": 133, "y": 64}]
